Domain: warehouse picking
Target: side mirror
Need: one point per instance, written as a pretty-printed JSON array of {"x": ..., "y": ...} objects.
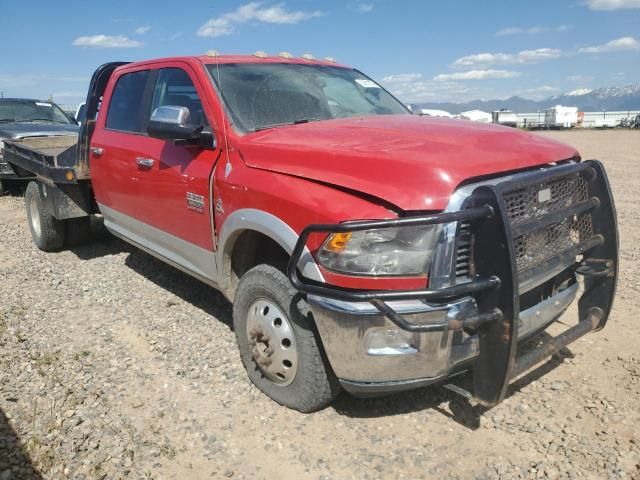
[{"x": 173, "y": 123}]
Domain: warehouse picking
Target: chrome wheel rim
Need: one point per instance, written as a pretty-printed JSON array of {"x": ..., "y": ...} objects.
[
  {"x": 272, "y": 343},
  {"x": 35, "y": 216}
]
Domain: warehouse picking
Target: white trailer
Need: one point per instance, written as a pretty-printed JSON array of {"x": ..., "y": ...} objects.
[
  {"x": 561, "y": 117},
  {"x": 435, "y": 113},
  {"x": 610, "y": 122},
  {"x": 505, "y": 117}
]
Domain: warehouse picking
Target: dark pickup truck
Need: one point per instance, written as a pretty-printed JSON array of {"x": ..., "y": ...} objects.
[{"x": 26, "y": 118}]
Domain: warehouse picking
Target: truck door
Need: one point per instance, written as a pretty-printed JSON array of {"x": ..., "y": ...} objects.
[
  {"x": 151, "y": 191},
  {"x": 115, "y": 145},
  {"x": 174, "y": 182}
]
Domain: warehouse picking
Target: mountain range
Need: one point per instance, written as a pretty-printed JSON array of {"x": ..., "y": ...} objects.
[{"x": 609, "y": 99}]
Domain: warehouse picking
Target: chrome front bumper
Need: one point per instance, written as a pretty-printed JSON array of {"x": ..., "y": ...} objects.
[
  {"x": 500, "y": 240},
  {"x": 370, "y": 353}
]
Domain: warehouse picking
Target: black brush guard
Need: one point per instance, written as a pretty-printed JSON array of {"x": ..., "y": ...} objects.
[{"x": 495, "y": 284}]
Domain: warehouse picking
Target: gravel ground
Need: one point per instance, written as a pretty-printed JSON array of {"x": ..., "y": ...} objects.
[{"x": 113, "y": 365}]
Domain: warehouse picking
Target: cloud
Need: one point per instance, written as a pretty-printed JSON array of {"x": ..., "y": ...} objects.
[
  {"x": 106, "y": 41},
  {"x": 530, "y": 30},
  {"x": 538, "y": 93},
  {"x": 33, "y": 79},
  {"x": 401, "y": 78},
  {"x": 69, "y": 95},
  {"x": 617, "y": 45},
  {"x": 253, "y": 12},
  {"x": 413, "y": 87},
  {"x": 539, "y": 54},
  {"x": 612, "y": 4},
  {"x": 176, "y": 36},
  {"x": 361, "y": 7},
  {"x": 476, "y": 75},
  {"x": 525, "y": 56},
  {"x": 142, "y": 30},
  {"x": 581, "y": 78}
]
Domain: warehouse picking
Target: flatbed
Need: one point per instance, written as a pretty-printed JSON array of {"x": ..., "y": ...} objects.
[{"x": 51, "y": 159}]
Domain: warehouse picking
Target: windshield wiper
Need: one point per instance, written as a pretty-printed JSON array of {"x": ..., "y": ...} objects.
[
  {"x": 276, "y": 125},
  {"x": 27, "y": 120}
]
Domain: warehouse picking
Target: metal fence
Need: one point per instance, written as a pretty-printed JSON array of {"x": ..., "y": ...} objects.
[
  {"x": 68, "y": 108},
  {"x": 535, "y": 119}
]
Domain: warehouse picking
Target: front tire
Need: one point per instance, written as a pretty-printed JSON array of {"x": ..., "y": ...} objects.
[
  {"x": 47, "y": 231},
  {"x": 278, "y": 345}
]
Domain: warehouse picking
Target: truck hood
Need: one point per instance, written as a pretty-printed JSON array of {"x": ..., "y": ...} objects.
[
  {"x": 21, "y": 130},
  {"x": 414, "y": 163}
]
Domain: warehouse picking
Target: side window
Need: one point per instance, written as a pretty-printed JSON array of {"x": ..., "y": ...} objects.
[
  {"x": 174, "y": 87},
  {"x": 126, "y": 110}
]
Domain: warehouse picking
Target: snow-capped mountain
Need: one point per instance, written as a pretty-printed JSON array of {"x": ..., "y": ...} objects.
[
  {"x": 609, "y": 98},
  {"x": 578, "y": 92}
]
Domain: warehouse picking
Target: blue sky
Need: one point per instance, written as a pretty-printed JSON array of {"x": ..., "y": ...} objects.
[{"x": 421, "y": 50}]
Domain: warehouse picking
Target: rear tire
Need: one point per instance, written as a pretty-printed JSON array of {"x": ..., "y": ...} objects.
[
  {"x": 47, "y": 232},
  {"x": 278, "y": 345}
]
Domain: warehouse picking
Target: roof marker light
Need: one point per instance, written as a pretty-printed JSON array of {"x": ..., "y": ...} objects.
[
  {"x": 285, "y": 55},
  {"x": 308, "y": 56},
  {"x": 330, "y": 59},
  {"x": 260, "y": 54},
  {"x": 212, "y": 53}
]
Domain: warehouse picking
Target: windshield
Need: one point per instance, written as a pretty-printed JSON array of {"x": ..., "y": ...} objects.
[
  {"x": 260, "y": 96},
  {"x": 31, "y": 111}
]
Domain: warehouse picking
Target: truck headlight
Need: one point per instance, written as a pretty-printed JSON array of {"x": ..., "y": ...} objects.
[{"x": 402, "y": 251}]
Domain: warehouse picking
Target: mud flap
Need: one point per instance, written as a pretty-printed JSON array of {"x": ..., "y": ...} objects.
[{"x": 65, "y": 201}]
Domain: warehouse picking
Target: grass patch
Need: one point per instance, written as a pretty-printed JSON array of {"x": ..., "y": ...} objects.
[{"x": 82, "y": 354}]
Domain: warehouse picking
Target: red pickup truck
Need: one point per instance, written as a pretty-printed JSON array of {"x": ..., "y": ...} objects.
[{"x": 363, "y": 247}]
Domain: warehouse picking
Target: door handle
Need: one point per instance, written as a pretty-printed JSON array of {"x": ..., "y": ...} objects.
[
  {"x": 97, "y": 151},
  {"x": 144, "y": 162}
]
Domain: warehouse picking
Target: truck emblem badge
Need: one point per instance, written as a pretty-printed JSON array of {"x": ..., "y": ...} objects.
[
  {"x": 195, "y": 202},
  {"x": 544, "y": 195},
  {"x": 219, "y": 207}
]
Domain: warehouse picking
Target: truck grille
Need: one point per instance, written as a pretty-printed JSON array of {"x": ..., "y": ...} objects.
[
  {"x": 463, "y": 257},
  {"x": 535, "y": 201},
  {"x": 524, "y": 204}
]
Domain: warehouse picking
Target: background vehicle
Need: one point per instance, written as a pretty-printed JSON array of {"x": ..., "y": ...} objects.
[
  {"x": 505, "y": 117},
  {"x": 363, "y": 247},
  {"x": 21, "y": 118},
  {"x": 561, "y": 117}
]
